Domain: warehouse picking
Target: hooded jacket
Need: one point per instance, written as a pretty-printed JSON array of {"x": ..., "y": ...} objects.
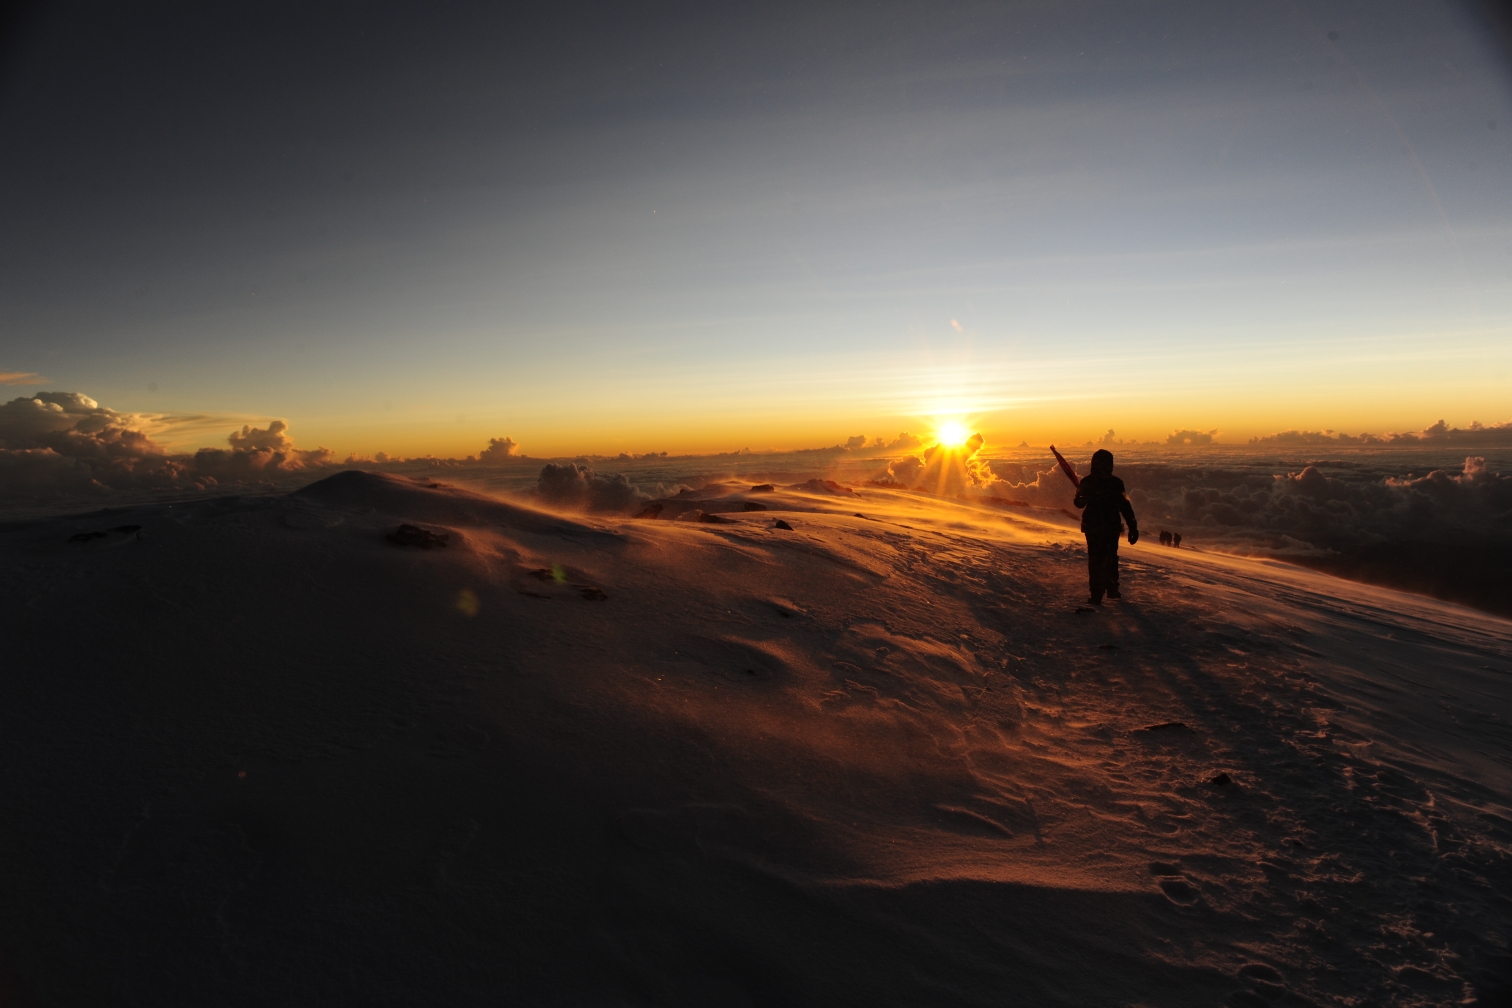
[{"x": 1101, "y": 497}]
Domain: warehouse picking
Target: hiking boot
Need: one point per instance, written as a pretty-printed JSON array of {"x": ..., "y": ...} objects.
[
  {"x": 1113, "y": 592},
  {"x": 1095, "y": 600}
]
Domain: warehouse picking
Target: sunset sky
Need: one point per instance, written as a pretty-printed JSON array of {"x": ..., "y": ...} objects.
[{"x": 696, "y": 227}]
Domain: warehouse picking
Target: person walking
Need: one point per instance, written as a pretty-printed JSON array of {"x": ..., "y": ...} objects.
[{"x": 1105, "y": 508}]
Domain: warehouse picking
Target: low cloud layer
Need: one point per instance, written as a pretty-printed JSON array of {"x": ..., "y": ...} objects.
[
  {"x": 575, "y": 487},
  {"x": 66, "y": 443},
  {"x": 578, "y": 488},
  {"x": 1409, "y": 519},
  {"x": 1444, "y": 530},
  {"x": 1477, "y": 435},
  {"x": 1325, "y": 506}
]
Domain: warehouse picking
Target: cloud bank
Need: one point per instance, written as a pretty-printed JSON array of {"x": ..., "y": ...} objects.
[
  {"x": 1477, "y": 435},
  {"x": 1446, "y": 531},
  {"x": 576, "y": 487},
  {"x": 65, "y": 442}
]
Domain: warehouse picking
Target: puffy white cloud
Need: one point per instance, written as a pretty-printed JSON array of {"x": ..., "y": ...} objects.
[{"x": 31, "y": 421}]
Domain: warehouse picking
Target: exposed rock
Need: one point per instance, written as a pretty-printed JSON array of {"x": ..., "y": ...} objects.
[
  {"x": 414, "y": 535},
  {"x": 753, "y": 506}
]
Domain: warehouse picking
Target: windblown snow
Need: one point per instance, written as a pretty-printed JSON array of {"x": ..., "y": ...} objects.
[{"x": 258, "y": 753}]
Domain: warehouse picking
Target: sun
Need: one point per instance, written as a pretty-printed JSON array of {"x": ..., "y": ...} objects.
[{"x": 952, "y": 434}]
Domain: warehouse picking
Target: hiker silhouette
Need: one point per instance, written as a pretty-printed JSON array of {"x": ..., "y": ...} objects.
[{"x": 1105, "y": 507}]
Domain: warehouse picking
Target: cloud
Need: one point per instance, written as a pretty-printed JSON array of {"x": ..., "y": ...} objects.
[
  {"x": 1477, "y": 435},
  {"x": 905, "y": 470},
  {"x": 1189, "y": 438},
  {"x": 255, "y": 450},
  {"x": 1041, "y": 487},
  {"x": 21, "y": 378},
  {"x": 949, "y": 471},
  {"x": 1446, "y": 533},
  {"x": 251, "y": 439},
  {"x": 579, "y": 488},
  {"x": 29, "y": 421},
  {"x": 66, "y": 442},
  {"x": 498, "y": 450}
]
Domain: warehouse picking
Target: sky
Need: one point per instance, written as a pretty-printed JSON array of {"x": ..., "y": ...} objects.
[{"x": 703, "y": 227}]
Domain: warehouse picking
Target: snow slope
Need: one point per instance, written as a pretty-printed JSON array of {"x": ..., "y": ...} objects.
[{"x": 257, "y": 754}]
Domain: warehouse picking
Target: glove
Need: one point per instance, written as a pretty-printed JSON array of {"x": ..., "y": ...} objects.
[{"x": 1133, "y": 535}]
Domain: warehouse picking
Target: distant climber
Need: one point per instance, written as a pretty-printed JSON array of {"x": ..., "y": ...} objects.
[
  {"x": 1105, "y": 508},
  {"x": 1176, "y": 539},
  {"x": 1165, "y": 538}
]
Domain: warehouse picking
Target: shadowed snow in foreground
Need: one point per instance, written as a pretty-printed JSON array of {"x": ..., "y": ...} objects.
[{"x": 273, "y": 751}]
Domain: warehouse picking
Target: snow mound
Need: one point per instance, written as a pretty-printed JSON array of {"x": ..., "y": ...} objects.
[{"x": 427, "y": 500}]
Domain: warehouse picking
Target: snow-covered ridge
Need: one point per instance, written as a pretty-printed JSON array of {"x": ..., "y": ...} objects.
[{"x": 880, "y": 757}]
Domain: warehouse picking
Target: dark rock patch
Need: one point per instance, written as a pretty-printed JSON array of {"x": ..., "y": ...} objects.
[{"x": 414, "y": 535}]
